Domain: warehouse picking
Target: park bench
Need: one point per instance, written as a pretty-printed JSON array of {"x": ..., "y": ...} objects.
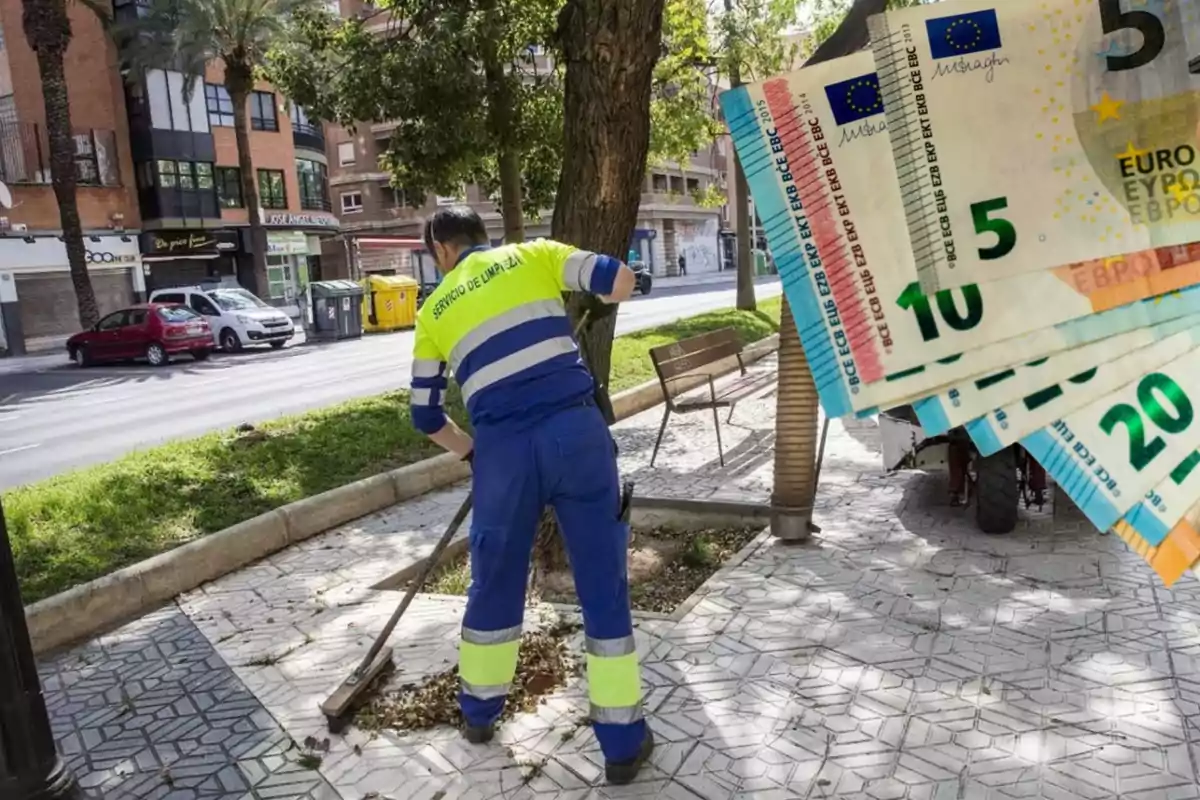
[{"x": 682, "y": 367}]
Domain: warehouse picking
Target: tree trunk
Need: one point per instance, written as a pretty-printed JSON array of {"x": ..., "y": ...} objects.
[
  {"x": 797, "y": 409},
  {"x": 501, "y": 121},
  {"x": 48, "y": 30},
  {"x": 741, "y": 211},
  {"x": 610, "y": 48},
  {"x": 239, "y": 81}
]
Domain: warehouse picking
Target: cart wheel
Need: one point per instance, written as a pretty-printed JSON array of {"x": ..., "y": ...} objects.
[
  {"x": 337, "y": 725},
  {"x": 997, "y": 492}
]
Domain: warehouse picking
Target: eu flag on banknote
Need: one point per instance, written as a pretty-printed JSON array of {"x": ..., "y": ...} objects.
[
  {"x": 963, "y": 34},
  {"x": 855, "y": 99}
]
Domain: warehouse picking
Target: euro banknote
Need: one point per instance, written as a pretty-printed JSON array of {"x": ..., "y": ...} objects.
[
  {"x": 1011, "y": 423},
  {"x": 815, "y": 151},
  {"x": 965, "y": 401},
  {"x": 1087, "y": 114},
  {"x": 1107, "y": 454}
]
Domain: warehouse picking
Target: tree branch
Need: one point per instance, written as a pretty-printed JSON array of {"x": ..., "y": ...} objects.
[{"x": 851, "y": 34}]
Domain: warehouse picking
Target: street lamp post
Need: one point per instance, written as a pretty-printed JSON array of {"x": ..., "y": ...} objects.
[{"x": 30, "y": 766}]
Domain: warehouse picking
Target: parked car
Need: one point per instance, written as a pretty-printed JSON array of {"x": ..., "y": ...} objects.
[
  {"x": 152, "y": 331},
  {"x": 644, "y": 279},
  {"x": 237, "y": 318}
]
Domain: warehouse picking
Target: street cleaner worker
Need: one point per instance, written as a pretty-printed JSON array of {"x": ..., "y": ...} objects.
[{"x": 497, "y": 320}]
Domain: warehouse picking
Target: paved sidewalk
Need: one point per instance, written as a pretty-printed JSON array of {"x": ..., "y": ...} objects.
[{"x": 900, "y": 654}]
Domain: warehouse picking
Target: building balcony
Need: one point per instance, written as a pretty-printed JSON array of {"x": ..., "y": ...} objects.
[
  {"x": 307, "y": 136},
  {"x": 315, "y": 203},
  {"x": 25, "y": 155}
]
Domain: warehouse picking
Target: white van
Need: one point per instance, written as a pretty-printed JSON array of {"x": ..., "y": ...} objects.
[{"x": 237, "y": 318}]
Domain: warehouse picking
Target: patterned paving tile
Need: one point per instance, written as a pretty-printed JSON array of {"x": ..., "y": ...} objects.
[{"x": 152, "y": 711}]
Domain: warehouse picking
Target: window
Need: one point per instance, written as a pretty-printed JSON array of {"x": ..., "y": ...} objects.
[
  {"x": 229, "y": 187},
  {"x": 352, "y": 202},
  {"x": 271, "y": 189},
  {"x": 220, "y": 107},
  {"x": 175, "y": 314},
  {"x": 184, "y": 175},
  {"x": 677, "y": 184},
  {"x": 112, "y": 321},
  {"x": 302, "y": 124},
  {"x": 346, "y": 154},
  {"x": 312, "y": 177},
  {"x": 137, "y": 317},
  {"x": 451, "y": 200},
  {"x": 262, "y": 112},
  {"x": 279, "y": 277},
  {"x": 693, "y": 185},
  {"x": 173, "y": 297},
  {"x": 659, "y": 182},
  {"x": 201, "y": 305}
]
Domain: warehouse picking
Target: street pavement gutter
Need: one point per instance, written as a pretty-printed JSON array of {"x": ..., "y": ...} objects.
[{"x": 108, "y": 602}]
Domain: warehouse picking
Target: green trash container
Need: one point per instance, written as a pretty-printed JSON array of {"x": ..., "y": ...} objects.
[{"x": 337, "y": 309}]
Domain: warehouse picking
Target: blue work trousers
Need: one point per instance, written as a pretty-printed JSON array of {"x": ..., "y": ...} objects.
[{"x": 566, "y": 462}]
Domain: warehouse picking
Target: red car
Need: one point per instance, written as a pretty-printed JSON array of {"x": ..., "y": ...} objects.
[{"x": 153, "y": 331}]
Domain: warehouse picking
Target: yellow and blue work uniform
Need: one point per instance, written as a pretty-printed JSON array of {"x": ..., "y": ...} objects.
[{"x": 498, "y": 322}]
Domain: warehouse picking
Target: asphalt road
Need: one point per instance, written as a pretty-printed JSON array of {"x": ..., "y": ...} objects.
[{"x": 56, "y": 419}]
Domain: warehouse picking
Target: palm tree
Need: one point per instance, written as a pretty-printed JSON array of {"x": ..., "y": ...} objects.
[
  {"x": 186, "y": 35},
  {"x": 797, "y": 411},
  {"x": 48, "y": 30}
]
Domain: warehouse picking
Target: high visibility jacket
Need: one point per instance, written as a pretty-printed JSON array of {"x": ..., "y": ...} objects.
[{"x": 498, "y": 322}]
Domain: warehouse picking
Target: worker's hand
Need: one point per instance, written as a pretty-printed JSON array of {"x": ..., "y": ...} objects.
[{"x": 597, "y": 308}]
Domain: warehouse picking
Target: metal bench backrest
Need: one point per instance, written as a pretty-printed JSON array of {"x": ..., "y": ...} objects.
[{"x": 672, "y": 361}]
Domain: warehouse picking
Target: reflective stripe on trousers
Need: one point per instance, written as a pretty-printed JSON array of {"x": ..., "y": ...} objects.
[
  {"x": 487, "y": 661},
  {"x": 614, "y": 680}
]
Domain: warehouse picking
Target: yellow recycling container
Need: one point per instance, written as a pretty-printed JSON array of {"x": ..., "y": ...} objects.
[{"x": 389, "y": 303}]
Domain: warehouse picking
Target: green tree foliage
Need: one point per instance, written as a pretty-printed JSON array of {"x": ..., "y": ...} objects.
[{"x": 463, "y": 82}]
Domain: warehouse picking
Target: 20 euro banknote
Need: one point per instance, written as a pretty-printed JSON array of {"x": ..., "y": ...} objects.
[
  {"x": 1032, "y": 134},
  {"x": 1014, "y": 421},
  {"x": 814, "y": 148},
  {"x": 1107, "y": 454},
  {"x": 965, "y": 401}
]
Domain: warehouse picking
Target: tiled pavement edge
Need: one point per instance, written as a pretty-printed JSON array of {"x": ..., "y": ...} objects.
[{"x": 900, "y": 654}]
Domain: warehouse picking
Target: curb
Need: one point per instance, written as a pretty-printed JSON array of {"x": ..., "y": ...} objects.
[{"x": 107, "y": 602}]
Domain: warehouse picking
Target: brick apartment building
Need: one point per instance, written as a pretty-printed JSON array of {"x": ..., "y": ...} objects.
[
  {"x": 37, "y": 301},
  {"x": 195, "y": 225},
  {"x": 669, "y": 223},
  {"x": 160, "y": 192}
]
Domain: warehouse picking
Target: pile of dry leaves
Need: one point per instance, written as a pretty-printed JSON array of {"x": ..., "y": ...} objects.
[{"x": 544, "y": 665}]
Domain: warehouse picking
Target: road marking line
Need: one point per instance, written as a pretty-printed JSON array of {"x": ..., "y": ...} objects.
[{"x": 18, "y": 449}]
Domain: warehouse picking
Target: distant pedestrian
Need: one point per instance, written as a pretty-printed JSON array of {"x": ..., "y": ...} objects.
[{"x": 682, "y": 264}]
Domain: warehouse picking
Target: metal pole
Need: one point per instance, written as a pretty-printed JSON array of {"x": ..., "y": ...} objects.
[{"x": 30, "y": 767}]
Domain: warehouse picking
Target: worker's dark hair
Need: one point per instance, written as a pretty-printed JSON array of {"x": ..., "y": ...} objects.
[{"x": 457, "y": 225}]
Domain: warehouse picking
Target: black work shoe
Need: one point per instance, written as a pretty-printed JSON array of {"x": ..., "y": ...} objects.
[
  {"x": 479, "y": 734},
  {"x": 620, "y": 773}
]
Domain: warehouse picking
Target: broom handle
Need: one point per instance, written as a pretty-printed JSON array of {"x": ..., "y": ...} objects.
[{"x": 417, "y": 585}]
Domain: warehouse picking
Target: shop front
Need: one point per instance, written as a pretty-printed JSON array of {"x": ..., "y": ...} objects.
[
  {"x": 294, "y": 256},
  {"x": 189, "y": 258},
  {"x": 38, "y": 309}
]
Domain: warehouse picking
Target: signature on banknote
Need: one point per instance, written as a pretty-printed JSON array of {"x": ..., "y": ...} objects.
[
  {"x": 964, "y": 65},
  {"x": 865, "y": 129}
]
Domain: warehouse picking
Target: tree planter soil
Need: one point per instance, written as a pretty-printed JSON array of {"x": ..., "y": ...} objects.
[{"x": 665, "y": 567}]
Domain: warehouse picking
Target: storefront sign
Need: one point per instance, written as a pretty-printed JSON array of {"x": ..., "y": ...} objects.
[
  {"x": 164, "y": 243},
  {"x": 292, "y": 243},
  {"x": 188, "y": 243},
  {"x": 307, "y": 219},
  {"x": 105, "y": 257},
  {"x": 49, "y": 253}
]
